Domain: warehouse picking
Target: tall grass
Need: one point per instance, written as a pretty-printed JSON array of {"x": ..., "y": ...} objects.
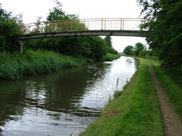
[
  {"x": 110, "y": 57},
  {"x": 15, "y": 65}
]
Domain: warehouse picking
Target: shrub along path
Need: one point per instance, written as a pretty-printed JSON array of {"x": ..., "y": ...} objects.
[{"x": 171, "y": 121}]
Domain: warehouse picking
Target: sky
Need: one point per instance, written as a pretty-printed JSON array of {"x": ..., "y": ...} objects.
[{"x": 32, "y": 9}]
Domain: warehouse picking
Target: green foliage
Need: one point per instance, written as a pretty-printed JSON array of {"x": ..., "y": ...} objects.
[
  {"x": 172, "y": 83},
  {"x": 62, "y": 21},
  {"x": 110, "y": 57},
  {"x": 108, "y": 40},
  {"x": 129, "y": 50},
  {"x": 163, "y": 22},
  {"x": 98, "y": 48},
  {"x": 15, "y": 65},
  {"x": 2, "y": 43},
  {"x": 58, "y": 14},
  {"x": 111, "y": 50},
  {"x": 117, "y": 94},
  {"x": 140, "y": 51},
  {"x": 9, "y": 30},
  {"x": 92, "y": 47},
  {"x": 143, "y": 53},
  {"x": 138, "y": 48}
]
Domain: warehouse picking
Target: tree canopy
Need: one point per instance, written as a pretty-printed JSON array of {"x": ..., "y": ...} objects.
[
  {"x": 163, "y": 20},
  {"x": 138, "y": 48},
  {"x": 58, "y": 14},
  {"x": 10, "y": 28},
  {"x": 108, "y": 40},
  {"x": 129, "y": 50}
]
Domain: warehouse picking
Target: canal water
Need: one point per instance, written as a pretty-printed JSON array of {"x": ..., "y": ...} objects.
[{"x": 63, "y": 103}]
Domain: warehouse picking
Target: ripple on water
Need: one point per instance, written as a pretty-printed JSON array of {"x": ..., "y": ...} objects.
[{"x": 61, "y": 103}]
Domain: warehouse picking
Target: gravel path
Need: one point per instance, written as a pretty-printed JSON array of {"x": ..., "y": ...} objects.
[{"x": 171, "y": 121}]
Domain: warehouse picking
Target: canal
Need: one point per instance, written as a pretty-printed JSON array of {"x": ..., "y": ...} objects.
[{"x": 61, "y": 103}]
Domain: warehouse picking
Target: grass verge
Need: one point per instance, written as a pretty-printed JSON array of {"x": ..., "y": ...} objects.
[
  {"x": 173, "y": 90},
  {"x": 135, "y": 113},
  {"x": 15, "y": 65},
  {"x": 110, "y": 57}
]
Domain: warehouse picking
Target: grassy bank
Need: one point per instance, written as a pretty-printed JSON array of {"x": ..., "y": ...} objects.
[
  {"x": 173, "y": 90},
  {"x": 135, "y": 113},
  {"x": 15, "y": 65},
  {"x": 110, "y": 57}
]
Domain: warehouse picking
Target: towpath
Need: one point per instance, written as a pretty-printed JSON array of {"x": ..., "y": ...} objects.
[{"x": 171, "y": 121}]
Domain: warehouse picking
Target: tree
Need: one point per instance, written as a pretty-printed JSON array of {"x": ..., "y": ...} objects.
[
  {"x": 138, "y": 48},
  {"x": 10, "y": 29},
  {"x": 163, "y": 22},
  {"x": 129, "y": 50},
  {"x": 108, "y": 40},
  {"x": 58, "y": 14},
  {"x": 92, "y": 47}
]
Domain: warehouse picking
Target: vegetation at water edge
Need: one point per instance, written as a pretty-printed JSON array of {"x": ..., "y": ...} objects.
[
  {"x": 15, "y": 65},
  {"x": 110, "y": 57},
  {"x": 136, "y": 112}
]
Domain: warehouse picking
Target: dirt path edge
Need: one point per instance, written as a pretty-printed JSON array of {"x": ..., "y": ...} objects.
[{"x": 171, "y": 121}]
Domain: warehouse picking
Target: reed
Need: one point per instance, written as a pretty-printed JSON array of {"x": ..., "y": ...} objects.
[{"x": 15, "y": 65}]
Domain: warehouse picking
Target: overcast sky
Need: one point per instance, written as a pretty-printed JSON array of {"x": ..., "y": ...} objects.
[{"x": 31, "y": 9}]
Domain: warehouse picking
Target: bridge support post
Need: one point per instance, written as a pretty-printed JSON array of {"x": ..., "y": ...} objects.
[{"x": 21, "y": 42}]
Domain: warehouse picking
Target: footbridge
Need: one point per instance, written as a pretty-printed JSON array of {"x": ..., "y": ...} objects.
[{"x": 82, "y": 27}]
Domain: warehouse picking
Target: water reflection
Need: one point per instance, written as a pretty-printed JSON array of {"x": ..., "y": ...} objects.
[{"x": 60, "y": 103}]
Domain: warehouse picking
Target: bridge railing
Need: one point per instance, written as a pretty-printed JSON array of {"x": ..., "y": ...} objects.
[{"x": 85, "y": 24}]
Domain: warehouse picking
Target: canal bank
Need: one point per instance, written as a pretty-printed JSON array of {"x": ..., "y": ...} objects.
[
  {"x": 136, "y": 112},
  {"x": 63, "y": 102},
  {"x": 35, "y": 62}
]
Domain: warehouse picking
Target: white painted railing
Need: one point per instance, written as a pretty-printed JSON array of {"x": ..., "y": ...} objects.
[{"x": 85, "y": 24}]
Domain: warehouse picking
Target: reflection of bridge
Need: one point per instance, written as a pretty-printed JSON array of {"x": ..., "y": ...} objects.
[{"x": 82, "y": 27}]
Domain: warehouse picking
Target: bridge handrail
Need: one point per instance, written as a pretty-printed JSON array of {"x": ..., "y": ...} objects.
[{"x": 85, "y": 24}]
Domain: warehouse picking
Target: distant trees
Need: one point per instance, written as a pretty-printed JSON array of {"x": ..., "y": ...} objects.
[
  {"x": 108, "y": 40},
  {"x": 140, "y": 50},
  {"x": 129, "y": 50},
  {"x": 137, "y": 50},
  {"x": 57, "y": 14}
]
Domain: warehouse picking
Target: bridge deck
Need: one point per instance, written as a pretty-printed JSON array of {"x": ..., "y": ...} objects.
[{"x": 135, "y": 33}]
